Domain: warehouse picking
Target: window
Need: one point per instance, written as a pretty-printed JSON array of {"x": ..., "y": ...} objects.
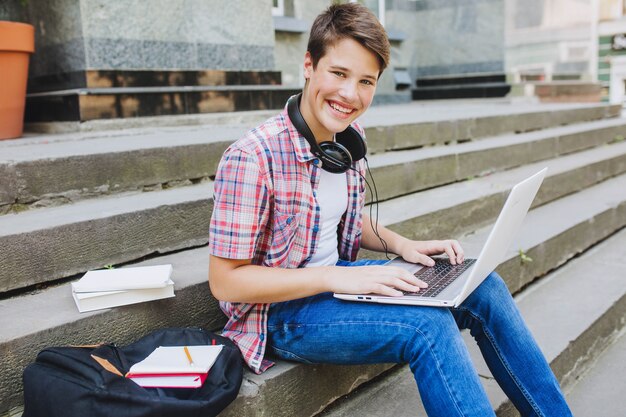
[
  {"x": 611, "y": 9},
  {"x": 278, "y": 8}
]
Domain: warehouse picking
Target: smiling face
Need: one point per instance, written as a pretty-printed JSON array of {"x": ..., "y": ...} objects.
[{"x": 339, "y": 89}]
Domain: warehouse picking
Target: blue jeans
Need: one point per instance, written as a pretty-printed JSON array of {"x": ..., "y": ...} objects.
[{"x": 323, "y": 329}]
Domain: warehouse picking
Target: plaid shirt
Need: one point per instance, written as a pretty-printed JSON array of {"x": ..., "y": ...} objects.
[{"x": 265, "y": 210}]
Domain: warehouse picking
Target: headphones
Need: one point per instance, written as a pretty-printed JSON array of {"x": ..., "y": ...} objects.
[{"x": 337, "y": 156}]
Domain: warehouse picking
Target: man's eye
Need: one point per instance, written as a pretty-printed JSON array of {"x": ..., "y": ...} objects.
[
  {"x": 339, "y": 73},
  {"x": 367, "y": 82}
]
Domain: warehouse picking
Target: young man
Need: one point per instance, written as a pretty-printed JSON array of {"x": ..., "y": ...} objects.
[{"x": 285, "y": 234}]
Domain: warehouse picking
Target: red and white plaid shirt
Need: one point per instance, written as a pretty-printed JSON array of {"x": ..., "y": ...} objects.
[{"x": 265, "y": 210}]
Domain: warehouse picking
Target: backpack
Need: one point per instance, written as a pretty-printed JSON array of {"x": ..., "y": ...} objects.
[{"x": 73, "y": 382}]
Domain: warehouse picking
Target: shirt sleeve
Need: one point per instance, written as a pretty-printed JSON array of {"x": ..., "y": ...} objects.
[{"x": 240, "y": 208}]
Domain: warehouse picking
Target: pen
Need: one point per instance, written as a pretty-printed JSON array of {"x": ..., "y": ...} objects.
[{"x": 188, "y": 355}]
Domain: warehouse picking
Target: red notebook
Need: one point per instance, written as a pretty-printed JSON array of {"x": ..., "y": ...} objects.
[
  {"x": 173, "y": 367},
  {"x": 169, "y": 380}
]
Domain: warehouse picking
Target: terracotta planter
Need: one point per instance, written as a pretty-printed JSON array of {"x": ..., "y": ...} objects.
[{"x": 17, "y": 42}]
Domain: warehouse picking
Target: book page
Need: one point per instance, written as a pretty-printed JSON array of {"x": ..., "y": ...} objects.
[{"x": 173, "y": 360}]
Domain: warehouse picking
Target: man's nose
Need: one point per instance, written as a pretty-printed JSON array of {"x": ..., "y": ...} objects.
[{"x": 348, "y": 90}]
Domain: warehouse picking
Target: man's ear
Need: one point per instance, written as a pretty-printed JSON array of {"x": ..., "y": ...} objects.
[{"x": 308, "y": 65}]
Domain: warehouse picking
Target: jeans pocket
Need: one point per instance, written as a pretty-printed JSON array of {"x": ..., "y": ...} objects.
[{"x": 288, "y": 356}]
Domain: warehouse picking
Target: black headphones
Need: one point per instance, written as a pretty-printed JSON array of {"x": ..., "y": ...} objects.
[{"x": 336, "y": 156}]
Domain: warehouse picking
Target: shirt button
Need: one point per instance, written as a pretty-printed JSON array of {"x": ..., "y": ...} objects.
[
  {"x": 262, "y": 337},
  {"x": 316, "y": 229},
  {"x": 288, "y": 220}
]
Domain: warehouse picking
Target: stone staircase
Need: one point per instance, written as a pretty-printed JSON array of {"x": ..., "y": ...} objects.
[{"x": 142, "y": 196}]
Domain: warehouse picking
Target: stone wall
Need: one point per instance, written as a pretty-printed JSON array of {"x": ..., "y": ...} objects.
[{"x": 79, "y": 35}]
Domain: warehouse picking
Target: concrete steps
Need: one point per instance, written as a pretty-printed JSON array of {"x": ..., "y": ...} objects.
[
  {"x": 115, "y": 229},
  {"x": 58, "y": 169},
  {"x": 603, "y": 387},
  {"x": 399, "y": 173},
  {"x": 582, "y": 202},
  {"x": 585, "y": 302},
  {"x": 49, "y": 317},
  {"x": 122, "y": 227}
]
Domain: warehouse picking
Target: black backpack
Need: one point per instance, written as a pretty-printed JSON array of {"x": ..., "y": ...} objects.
[{"x": 73, "y": 381}]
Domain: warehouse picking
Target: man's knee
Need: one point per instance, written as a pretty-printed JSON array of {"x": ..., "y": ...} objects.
[
  {"x": 432, "y": 325},
  {"x": 492, "y": 288},
  {"x": 491, "y": 300}
]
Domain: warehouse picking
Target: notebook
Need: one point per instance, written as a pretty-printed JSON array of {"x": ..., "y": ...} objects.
[
  {"x": 175, "y": 366},
  {"x": 109, "y": 288},
  {"x": 98, "y": 300},
  {"x": 170, "y": 381},
  {"x": 173, "y": 360},
  {"x": 473, "y": 271},
  {"x": 133, "y": 278}
]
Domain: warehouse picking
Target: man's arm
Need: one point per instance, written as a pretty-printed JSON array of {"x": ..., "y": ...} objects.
[
  {"x": 410, "y": 250},
  {"x": 240, "y": 281}
]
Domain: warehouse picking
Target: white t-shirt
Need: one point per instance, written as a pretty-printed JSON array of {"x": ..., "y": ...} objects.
[{"x": 332, "y": 197}]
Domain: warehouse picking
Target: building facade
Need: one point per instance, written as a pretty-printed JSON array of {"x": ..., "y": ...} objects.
[
  {"x": 103, "y": 59},
  {"x": 612, "y": 51},
  {"x": 551, "y": 40}
]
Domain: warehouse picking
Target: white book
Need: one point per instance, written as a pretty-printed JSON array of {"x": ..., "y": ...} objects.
[
  {"x": 173, "y": 360},
  {"x": 142, "y": 277},
  {"x": 90, "y": 301}
]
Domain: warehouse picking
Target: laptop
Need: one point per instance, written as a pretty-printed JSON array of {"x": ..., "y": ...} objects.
[{"x": 449, "y": 285}]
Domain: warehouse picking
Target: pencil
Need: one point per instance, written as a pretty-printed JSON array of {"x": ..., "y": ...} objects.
[{"x": 188, "y": 355}]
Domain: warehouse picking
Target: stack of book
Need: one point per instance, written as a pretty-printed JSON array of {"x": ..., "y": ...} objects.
[
  {"x": 175, "y": 366},
  {"x": 108, "y": 288}
]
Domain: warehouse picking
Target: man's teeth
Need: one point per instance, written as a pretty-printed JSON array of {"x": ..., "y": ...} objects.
[{"x": 339, "y": 108}]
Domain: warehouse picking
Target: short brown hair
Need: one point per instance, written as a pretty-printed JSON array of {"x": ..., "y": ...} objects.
[{"x": 351, "y": 20}]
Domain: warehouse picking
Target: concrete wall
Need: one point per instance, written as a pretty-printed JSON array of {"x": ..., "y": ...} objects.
[
  {"x": 449, "y": 37},
  {"x": 78, "y": 35},
  {"x": 291, "y": 46}
]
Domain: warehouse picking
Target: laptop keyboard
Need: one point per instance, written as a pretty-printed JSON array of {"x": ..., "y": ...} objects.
[{"x": 438, "y": 277}]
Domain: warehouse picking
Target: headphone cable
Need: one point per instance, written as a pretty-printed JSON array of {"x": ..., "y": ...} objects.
[{"x": 374, "y": 193}]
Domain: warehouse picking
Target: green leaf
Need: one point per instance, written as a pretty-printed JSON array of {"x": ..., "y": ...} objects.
[{"x": 524, "y": 258}]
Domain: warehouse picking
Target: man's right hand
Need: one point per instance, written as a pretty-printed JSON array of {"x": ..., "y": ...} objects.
[{"x": 372, "y": 279}]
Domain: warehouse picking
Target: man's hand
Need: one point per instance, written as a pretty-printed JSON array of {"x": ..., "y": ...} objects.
[
  {"x": 420, "y": 251},
  {"x": 372, "y": 279}
]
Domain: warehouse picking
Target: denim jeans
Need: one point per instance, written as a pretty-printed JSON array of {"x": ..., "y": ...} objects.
[{"x": 323, "y": 329}]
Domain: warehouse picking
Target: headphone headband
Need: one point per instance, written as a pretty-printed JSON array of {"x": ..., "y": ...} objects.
[{"x": 336, "y": 156}]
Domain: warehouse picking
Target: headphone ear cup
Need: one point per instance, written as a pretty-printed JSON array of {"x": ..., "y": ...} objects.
[
  {"x": 352, "y": 140},
  {"x": 336, "y": 159}
]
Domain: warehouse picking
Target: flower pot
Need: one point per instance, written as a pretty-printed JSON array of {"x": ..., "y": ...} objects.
[{"x": 17, "y": 42}]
